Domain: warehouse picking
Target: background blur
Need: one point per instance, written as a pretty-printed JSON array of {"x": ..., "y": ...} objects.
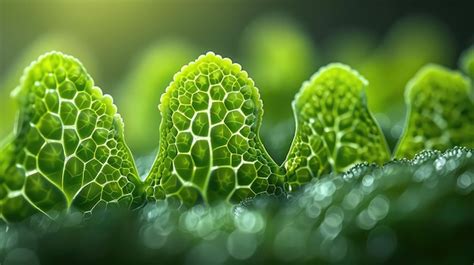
[{"x": 133, "y": 48}]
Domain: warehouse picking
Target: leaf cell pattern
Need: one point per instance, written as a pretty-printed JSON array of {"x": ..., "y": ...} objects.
[
  {"x": 335, "y": 129},
  {"x": 440, "y": 112},
  {"x": 67, "y": 149},
  {"x": 209, "y": 144}
]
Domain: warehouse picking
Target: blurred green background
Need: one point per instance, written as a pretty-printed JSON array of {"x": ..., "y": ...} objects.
[{"x": 133, "y": 48}]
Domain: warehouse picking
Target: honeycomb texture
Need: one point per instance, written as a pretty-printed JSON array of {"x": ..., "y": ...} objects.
[
  {"x": 335, "y": 129},
  {"x": 209, "y": 144},
  {"x": 67, "y": 150},
  {"x": 440, "y": 112}
]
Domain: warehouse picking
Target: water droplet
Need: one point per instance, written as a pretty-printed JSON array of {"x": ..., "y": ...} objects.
[
  {"x": 368, "y": 180},
  {"x": 151, "y": 239},
  {"x": 190, "y": 221},
  {"x": 365, "y": 221},
  {"x": 250, "y": 222},
  {"x": 466, "y": 180},
  {"x": 332, "y": 224},
  {"x": 439, "y": 163},
  {"x": 352, "y": 199},
  {"x": 378, "y": 207},
  {"x": 423, "y": 173},
  {"x": 313, "y": 210}
]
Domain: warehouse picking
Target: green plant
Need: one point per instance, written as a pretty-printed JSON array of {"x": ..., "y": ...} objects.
[
  {"x": 209, "y": 146},
  {"x": 335, "y": 129},
  {"x": 61, "y": 41},
  {"x": 440, "y": 112},
  {"x": 369, "y": 214},
  {"x": 68, "y": 150},
  {"x": 390, "y": 64}
]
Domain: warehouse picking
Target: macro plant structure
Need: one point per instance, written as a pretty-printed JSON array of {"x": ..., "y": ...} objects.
[
  {"x": 368, "y": 214},
  {"x": 440, "y": 112},
  {"x": 67, "y": 149},
  {"x": 209, "y": 145},
  {"x": 9, "y": 80},
  {"x": 335, "y": 128},
  {"x": 68, "y": 152}
]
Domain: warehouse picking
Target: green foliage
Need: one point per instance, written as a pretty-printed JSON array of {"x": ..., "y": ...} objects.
[
  {"x": 67, "y": 149},
  {"x": 148, "y": 80},
  {"x": 369, "y": 215},
  {"x": 411, "y": 43},
  {"x": 279, "y": 56},
  {"x": 335, "y": 129},
  {"x": 209, "y": 146},
  {"x": 440, "y": 112}
]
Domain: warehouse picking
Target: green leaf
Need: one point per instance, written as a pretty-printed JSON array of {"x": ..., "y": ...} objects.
[
  {"x": 209, "y": 137},
  {"x": 440, "y": 112},
  {"x": 334, "y": 128},
  {"x": 67, "y": 150}
]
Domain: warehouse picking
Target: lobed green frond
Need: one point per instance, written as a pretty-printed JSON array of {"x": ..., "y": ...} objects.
[
  {"x": 67, "y": 150},
  {"x": 334, "y": 128},
  {"x": 209, "y": 137},
  {"x": 440, "y": 112}
]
